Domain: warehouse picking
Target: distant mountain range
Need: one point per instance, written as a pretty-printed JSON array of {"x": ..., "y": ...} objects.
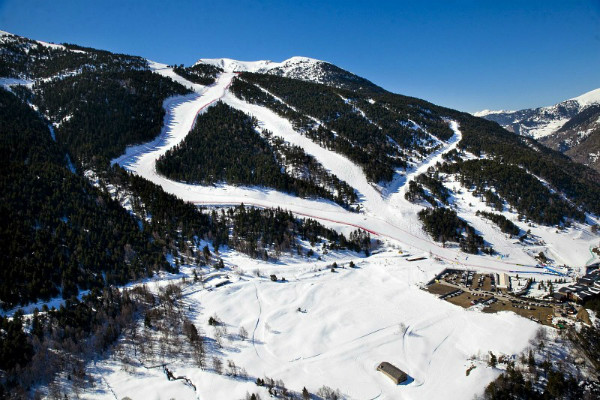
[{"x": 571, "y": 126}]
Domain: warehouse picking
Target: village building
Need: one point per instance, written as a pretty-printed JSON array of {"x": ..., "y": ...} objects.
[{"x": 503, "y": 281}]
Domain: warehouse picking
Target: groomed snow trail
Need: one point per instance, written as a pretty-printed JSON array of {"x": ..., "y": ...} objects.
[{"x": 389, "y": 216}]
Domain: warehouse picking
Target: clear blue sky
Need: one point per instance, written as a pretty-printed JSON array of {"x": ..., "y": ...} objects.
[{"x": 468, "y": 55}]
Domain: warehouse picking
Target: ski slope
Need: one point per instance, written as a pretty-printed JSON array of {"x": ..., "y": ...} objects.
[{"x": 387, "y": 216}]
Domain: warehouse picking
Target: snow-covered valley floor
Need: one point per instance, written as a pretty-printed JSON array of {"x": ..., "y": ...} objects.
[{"x": 349, "y": 321}]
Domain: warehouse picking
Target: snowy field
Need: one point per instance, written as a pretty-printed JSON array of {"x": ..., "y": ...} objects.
[{"x": 349, "y": 321}]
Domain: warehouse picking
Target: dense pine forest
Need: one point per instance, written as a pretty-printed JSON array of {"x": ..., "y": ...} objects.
[
  {"x": 417, "y": 192},
  {"x": 24, "y": 58},
  {"x": 59, "y": 234},
  {"x": 579, "y": 183},
  {"x": 225, "y": 146},
  {"x": 443, "y": 225},
  {"x": 202, "y": 74},
  {"x": 521, "y": 190},
  {"x": 99, "y": 113},
  {"x": 503, "y": 223}
]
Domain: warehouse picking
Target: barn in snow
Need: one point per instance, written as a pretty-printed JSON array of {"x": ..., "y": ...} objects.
[{"x": 395, "y": 374}]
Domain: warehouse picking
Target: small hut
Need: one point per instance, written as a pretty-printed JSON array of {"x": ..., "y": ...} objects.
[{"x": 395, "y": 374}]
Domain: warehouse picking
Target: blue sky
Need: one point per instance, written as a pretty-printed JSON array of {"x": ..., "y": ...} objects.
[{"x": 462, "y": 54}]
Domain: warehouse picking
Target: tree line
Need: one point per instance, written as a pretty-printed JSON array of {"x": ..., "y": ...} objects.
[
  {"x": 59, "y": 233},
  {"x": 526, "y": 193},
  {"x": 377, "y": 141},
  {"x": 24, "y": 58}
]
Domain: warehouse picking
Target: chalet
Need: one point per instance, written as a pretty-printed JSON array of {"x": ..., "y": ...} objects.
[
  {"x": 585, "y": 281},
  {"x": 566, "y": 290},
  {"x": 395, "y": 374}
]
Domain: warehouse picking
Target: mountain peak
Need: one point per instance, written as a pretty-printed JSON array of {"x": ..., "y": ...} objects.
[
  {"x": 297, "y": 67},
  {"x": 485, "y": 112},
  {"x": 260, "y": 66},
  {"x": 586, "y": 99},
  {"x": 542, "y": 121}
]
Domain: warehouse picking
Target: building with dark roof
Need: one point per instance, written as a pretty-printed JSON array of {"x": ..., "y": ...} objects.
[{"x": 392, "y": 372}]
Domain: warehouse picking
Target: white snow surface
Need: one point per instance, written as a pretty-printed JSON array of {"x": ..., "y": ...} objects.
[
  {"x": 540, "y": 122},
  {"x": 45, "y": 44},
  {"x": 350, "y": 322},
  {"x": 385, "y": 211},
  {"x": 304, "y": 68},
  {"x": 584, "y": 100},
  {"x": 483, "y": 113},
  {"x": 589, "y": 98}
]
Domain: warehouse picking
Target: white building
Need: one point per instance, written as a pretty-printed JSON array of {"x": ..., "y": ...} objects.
[{"x": 503, "y": 281}]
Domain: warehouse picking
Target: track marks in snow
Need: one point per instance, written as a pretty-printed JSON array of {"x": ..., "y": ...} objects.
[{"x": 257, "y": 321}]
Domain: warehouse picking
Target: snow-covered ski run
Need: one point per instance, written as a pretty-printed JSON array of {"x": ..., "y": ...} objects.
[{"x": 387, "y": 216}]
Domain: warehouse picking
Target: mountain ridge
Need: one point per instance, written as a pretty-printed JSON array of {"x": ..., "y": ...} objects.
[
  {"x": 571, "y": 126},
  {"x": 297, "y": 67}
]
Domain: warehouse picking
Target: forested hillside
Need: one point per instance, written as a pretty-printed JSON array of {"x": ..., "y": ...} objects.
[
  {"x": 378, "y": 137},
  {"x": 59, "y": 234},
  {"x": 99, "y": 113},
  {"x": 521, "y": 190},
  {"x": 27, "y": 59},
  {"x": 225, "y": 146},
  {"x": 62, "y": 234},
  {"x": 202, "y": 74},
  {"x": 382, "y": 131},
  {"x": 581, "y": 184}
]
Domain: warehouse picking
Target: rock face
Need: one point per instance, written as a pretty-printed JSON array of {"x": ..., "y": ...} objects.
[{"x": 579, "y": 138}]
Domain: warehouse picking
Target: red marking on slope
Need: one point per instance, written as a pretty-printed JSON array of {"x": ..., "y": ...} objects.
[
  {"x": 168, "y": 115},
  {"x": 213, "y": 101},
  {"x": 371, "y": 232}
]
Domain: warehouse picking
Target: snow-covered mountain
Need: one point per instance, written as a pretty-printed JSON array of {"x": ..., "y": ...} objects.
[
  {"x": 571, "y": 126},
  {"x": 272, "y": 222},
  {"x": 542, "y": 121},
  {"x": 579, "y": 138},
  {"x": 303, "y": 68}
]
